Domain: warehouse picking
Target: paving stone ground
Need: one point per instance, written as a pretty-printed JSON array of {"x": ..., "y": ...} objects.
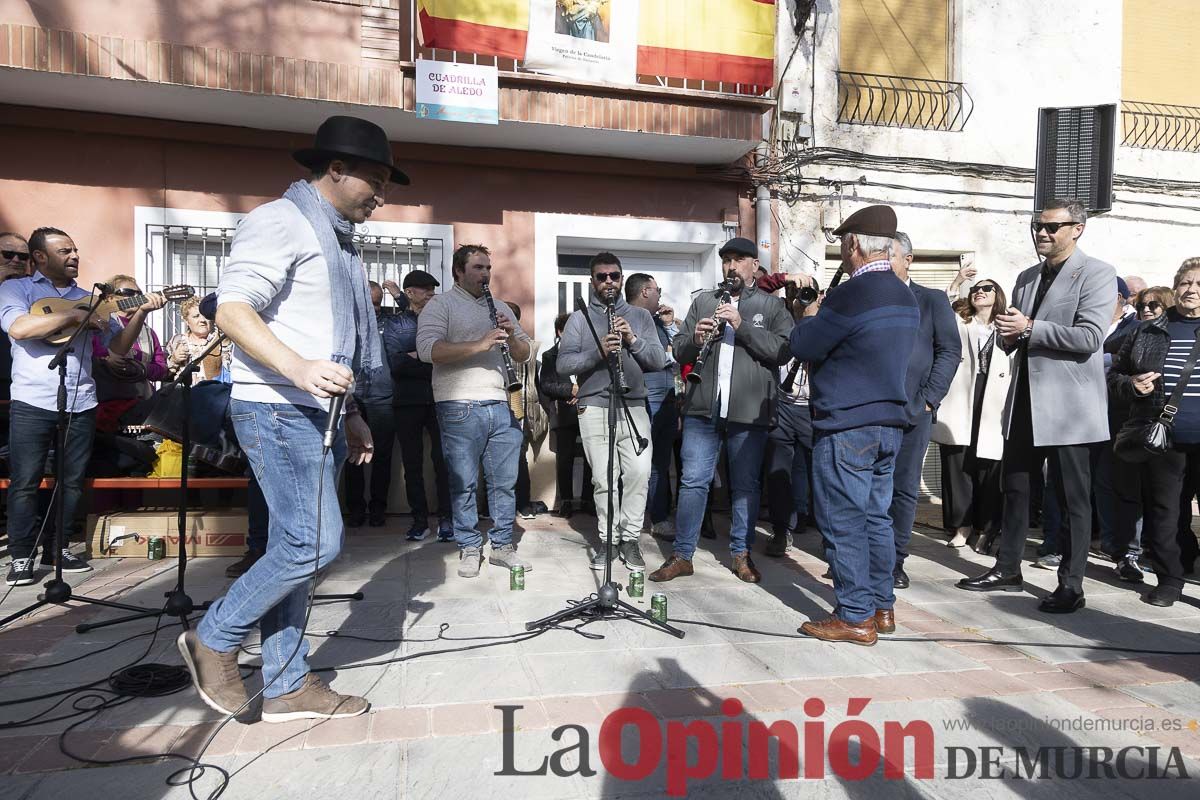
[{"x": 982, "y": 671}]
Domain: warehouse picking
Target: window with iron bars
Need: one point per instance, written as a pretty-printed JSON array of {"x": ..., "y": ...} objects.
[{"x": 195, "y": 255}]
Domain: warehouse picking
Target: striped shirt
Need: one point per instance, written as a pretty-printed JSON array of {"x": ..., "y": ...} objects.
[{"x": 1187, "y": 421}]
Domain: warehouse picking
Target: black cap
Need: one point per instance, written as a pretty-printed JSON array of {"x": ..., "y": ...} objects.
[
  {"x": 870, "y": 221},
  {"x": 420, "y": 279},
  {"x": 350, "y": 137},
  {"x": 741, "y": 246}
]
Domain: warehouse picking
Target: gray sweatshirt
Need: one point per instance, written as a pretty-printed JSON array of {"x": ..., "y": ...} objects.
[
  {"x": 579, "y": 356},
  {"x": 455, "y": 316}
]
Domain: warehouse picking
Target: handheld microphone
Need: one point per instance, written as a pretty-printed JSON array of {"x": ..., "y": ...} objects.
[
  {"x": 208, "y": 307},
  {"x": 335, "y": 416}
]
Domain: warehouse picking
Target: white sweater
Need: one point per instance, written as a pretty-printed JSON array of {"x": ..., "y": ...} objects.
[{"x": 276, "y": 267}]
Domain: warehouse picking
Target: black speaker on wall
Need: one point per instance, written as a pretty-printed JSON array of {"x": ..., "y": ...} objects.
[{"x": 1076, "y": 147}]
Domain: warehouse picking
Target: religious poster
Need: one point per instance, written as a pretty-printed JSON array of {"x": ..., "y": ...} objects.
[{"x": 589, "y": 40}]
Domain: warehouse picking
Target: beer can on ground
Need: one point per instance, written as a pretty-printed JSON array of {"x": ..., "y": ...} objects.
[
  {"x": 658, "y": 607},
  {"x": 516, "y": 578},
  {"x": 156, "y": 548},
  {"x": 637, "y": 584}
]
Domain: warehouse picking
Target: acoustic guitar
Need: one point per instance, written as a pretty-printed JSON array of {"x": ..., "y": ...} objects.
[{"x": 107, "y": 307}]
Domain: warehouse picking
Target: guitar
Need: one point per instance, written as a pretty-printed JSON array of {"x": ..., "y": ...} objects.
[{"x": 107, "y": 307}]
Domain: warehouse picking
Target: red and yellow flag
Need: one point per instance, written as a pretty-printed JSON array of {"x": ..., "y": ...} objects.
[
  {"x": 488, "y": 27},
  {"x": 710, "y": 40}
]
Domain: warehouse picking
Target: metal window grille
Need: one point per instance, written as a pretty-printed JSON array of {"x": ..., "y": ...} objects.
[
  {"x": 196, "y": 255},
  {"x": 901, "y": 102}
]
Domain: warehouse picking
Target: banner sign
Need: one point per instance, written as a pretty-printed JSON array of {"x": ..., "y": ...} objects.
[
  {"x": 589, "y": 40},
  {"x": 457, "y": 92}
]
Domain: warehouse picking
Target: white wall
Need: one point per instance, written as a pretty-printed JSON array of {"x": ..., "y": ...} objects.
[{"x": 1013, "y": 56}]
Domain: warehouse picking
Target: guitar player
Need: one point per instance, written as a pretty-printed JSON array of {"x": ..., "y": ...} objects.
[{"x": 33, "y": 413}]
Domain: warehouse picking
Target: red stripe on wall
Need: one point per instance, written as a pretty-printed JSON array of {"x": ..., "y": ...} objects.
[
  {"x": 697, "y": 66},
  {"x": 470, "y": 37}
]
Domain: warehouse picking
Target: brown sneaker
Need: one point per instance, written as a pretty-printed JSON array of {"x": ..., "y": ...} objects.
[
  {"x": 744, "y": 568},
  {"x": 238, "y": 568},
  {"x": 313, "y": 700},
  {"x": 215, "y": 675},
  {"x": 885, "y": 621},
  {"x": 673, "y": 567},
  {"x": 836, "y": 629}
]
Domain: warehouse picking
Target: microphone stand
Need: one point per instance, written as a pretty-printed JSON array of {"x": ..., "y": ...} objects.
[
  {"x": 606, "y": 602},
  {"x": 179, "y": 603},
  {"x": 58, "y": 591}
]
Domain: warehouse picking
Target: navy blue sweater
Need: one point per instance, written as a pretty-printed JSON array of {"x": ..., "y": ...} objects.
[{"x": 859, "y": 345}]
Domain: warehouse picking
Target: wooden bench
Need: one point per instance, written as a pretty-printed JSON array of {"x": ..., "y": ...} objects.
[{"x": 150, "y": 483}]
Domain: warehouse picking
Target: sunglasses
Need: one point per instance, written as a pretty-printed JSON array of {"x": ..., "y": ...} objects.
[
  {"x": 1051, "y": 227},
  {"x": 983, "y": 287},
  {"x": 1153, "y": 305},
  {"x": 127, "y": 291},
  {"x": 9, "y": 255},
  {"x": 601, "y": 277}
]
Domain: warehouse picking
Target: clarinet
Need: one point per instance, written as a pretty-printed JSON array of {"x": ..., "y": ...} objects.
[
  {"x": 510, "y": 375},
  {"x": 716, "y": 333},
  {"x": 610, "y": 309},
  {"x": 789, "y": 382}
]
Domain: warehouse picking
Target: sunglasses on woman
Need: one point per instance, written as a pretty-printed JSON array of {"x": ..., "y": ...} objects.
[
  {"x": 10, "y": 255},
  {"x": 1152, "y": 305},
  {"x": 986, "y": 288}
]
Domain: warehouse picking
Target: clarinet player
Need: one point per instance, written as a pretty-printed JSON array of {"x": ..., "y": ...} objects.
[
  {"x": 749, "y": 342},
  {"x": 630, "y": 338},
  {"x": 456, "y": 334}
]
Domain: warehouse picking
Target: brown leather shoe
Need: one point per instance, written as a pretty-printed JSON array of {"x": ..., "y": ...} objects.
[
  {"x": 836, "y": 629},
  {"x": 673, "y": 567},
  {"x": 744, "y": 568},
  {"x": 885, "y": 621}
]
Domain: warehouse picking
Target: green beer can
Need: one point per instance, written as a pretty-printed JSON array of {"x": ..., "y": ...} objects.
[
  {"x": 637, "y": 584},
  {"x": 516, "y": 578},
  {"x": 658, "y": 607},
  {"x": 156, "y": 548}
]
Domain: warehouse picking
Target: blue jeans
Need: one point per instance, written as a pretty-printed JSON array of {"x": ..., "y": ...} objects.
[
  {"x": 258, "y": 517},
  {"x": 664, "y": 423},
  {"x": 471, "y": 431},
  {"x": 852, "y": 485},
  {"x": 31, "y": 435},
  {"x": 282, "y": 442},
  {"x": 906, "y": 483},
  {"x": 701, "y": 452}
]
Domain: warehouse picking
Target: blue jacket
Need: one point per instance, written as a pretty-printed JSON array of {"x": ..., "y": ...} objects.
[
  {"x": 412, "y": 378},
  {"x": 859, "y": 345},
  {"x": 936, "y": 355}
]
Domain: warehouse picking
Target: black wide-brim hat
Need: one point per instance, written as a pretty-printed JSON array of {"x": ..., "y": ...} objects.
[{"x": 351, "y": 137}]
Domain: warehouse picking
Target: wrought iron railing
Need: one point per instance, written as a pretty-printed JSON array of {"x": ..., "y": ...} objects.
[
  {"x": 1158, "y": 126},
  {"x": 899, "y": 102}
]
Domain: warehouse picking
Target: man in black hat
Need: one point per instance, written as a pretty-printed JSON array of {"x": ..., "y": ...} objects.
[
  {"x": 748, "y": 336},
  {"x": 858, "y": 346},
  {"x": 412, "y": 398},
  {"x": 293, "y": 297}
]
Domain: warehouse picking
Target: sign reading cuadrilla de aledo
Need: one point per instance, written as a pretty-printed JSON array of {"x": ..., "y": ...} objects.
[{"x": 732, "y": 747}]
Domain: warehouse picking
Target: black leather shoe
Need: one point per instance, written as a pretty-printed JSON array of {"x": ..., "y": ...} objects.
[
  {"x": 1163, "y": 596},
  {"x": 900, "y": 579},
  {"x": 983, "y": 544},
  {"x": 992, "y": 581},
  {"x": 1062, "y": 601}
]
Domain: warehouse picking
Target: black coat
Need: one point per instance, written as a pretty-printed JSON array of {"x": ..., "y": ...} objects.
[
  {"x": 1143, "y": 350},
  {"x": 554, "y": 387},
  {"x": 937, "y": 353}
]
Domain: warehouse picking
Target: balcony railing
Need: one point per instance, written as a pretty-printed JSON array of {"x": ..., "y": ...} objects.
[
  {"x": 898, "y": 102},
  {"x": 1158, "y": 126},
  {"x": 389, "y": 35}
]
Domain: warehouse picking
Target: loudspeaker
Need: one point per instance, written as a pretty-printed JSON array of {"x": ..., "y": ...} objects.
[{"x": 1076, "y": 147}]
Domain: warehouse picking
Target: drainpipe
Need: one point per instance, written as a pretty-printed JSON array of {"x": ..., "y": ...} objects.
[{"x": 762, "y": 212}]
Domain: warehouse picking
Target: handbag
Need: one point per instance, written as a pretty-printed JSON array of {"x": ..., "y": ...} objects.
[{"x": 1143, "y": 438}]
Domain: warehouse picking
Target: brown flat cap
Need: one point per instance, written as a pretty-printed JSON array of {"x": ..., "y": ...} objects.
[{"x": 870, "y": 221}]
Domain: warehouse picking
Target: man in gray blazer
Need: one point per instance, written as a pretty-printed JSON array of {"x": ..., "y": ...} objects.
[{"x": 1057, "y": 404}]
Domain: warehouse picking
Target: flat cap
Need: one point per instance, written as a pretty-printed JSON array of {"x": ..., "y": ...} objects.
[
  {"x": 870, "y": 221},
  {"x": 420, "y": 279},
  {"x": 739, "y": 245}
]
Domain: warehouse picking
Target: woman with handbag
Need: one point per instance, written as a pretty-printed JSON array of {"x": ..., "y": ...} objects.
[
  {"x": 968, "y": 425},
  {"x": 1155, "y": 376}
]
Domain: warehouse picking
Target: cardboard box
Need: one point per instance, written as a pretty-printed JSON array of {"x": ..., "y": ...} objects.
[{"x": 219, "y": 532}]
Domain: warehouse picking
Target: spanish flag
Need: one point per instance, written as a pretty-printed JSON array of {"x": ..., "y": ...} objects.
[
  {"x": 488, "y": 27},
  {"x": 710, "y": 40}
]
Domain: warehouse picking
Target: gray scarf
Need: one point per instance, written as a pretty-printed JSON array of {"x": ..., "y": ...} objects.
[{"x": 355, "y": 332}]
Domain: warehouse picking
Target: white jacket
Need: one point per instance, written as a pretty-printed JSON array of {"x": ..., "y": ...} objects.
[{"x": 954, "y": 415}]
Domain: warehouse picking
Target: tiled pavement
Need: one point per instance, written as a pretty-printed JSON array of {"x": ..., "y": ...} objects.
[{"x": 434, "y": 732}]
